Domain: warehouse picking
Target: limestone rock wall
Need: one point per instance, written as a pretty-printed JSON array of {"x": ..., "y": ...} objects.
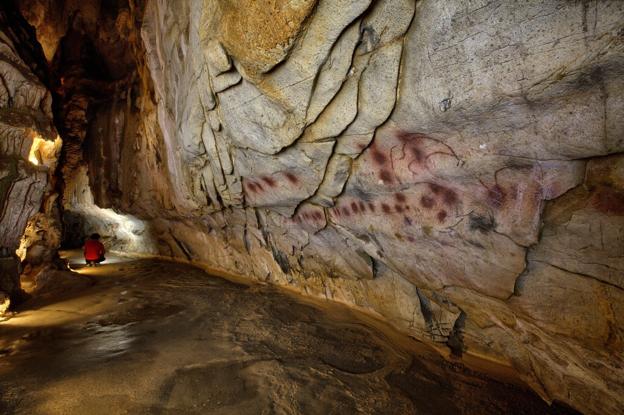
[
  {"x": 454, "y": 167},
  {"x": 28, "y": 149}
]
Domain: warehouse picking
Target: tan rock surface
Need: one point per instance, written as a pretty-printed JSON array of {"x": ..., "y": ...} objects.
[
  {"x": 454, "y": 167},
  {"x": 27, "y": 151}
]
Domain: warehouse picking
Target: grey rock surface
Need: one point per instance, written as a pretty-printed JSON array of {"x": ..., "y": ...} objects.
[{"x": 454, "y": 168}]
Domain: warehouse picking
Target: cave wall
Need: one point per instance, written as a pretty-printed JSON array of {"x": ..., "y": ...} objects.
[
  {"x": 29, "y": 149},
  {"x": 456, "y": 168}
]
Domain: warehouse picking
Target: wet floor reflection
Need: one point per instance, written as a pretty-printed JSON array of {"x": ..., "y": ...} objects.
[{"x": 157, "y": 337}]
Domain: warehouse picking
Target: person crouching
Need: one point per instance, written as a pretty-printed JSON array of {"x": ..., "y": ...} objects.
[{"x": 94, "y": 250}]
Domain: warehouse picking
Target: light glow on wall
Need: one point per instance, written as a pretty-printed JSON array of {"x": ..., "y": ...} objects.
[
  {"x": 44, "y": 152},
  {"x": 119, "y": 231}
]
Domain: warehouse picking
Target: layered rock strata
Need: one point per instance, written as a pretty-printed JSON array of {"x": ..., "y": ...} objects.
[
  {"x": 456, "y": 168},
  {"x": 29, "y": 148}
]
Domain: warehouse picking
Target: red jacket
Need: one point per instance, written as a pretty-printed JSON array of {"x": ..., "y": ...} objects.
[{"x": 93, "y": 250}]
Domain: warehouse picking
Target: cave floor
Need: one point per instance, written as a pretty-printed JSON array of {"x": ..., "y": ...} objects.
[{"x": 145, "y": 336}]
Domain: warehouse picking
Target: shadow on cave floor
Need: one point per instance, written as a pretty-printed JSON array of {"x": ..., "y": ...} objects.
[{"x": 156, "y": 337}]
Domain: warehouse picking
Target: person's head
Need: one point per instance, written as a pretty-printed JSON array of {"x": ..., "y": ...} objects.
[{"x": 95, "y": 236}]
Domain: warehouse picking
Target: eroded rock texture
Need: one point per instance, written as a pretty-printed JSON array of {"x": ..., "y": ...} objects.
[
  {"x": 28, "y": 150},
  {"x": 455, "y": 167}
]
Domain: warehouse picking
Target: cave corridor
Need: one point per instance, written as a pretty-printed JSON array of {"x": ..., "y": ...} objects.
[{"x": 312, "y": 207}]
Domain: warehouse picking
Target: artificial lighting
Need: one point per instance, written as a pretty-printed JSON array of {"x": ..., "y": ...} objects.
[
  {"x": 44, "y": 151},
  {"x": 34, "y": 155}
]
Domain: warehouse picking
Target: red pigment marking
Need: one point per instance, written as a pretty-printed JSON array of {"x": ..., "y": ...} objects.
[
  {"x": 398, "y": 208},
  {"x": 379, "y": 157},
  {"x": 385, "y": 176},
  {"x": 291, "y": 177},
  {"x": 441, "y": 216},
  {"x": 269, "y": 180},
  {"x": 407, "y": 207},
  {"x": 400, "y": 197},
  {"x": 318, "y": 215},
  {"x": 449, "y": 197},
  {"x": 435, "y": 188},
  {"x": 407, "y": 221},
  {"x": 410, "y": 238},
  {"x": 413, "y": 140},
  {"x": 406, "y": 137},
  {"x": 496, "y": 196},
  {"x": 362, "y": 206},
  {"x": 337, "y": 211},
  {"x": 426, "y": 202},
  {"x": 354, "y": 207},
  {"x": 259, "y": 186},
  {"x": 385, "y": 208},
  {"x": 371, "y": 207},
  {"x": 418, "y": 154},
  {"x": 513, "y": 191},
  {"x": 346, "y": 211},
  {"x": 609, "y": 201},
  {"x": 252, "y": 186}
]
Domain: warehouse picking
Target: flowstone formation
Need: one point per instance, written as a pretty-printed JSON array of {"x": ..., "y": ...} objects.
[{"x": 456, "y": 167}]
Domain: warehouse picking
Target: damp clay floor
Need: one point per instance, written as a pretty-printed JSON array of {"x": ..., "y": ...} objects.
[{"x": 143, "y": 336}]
